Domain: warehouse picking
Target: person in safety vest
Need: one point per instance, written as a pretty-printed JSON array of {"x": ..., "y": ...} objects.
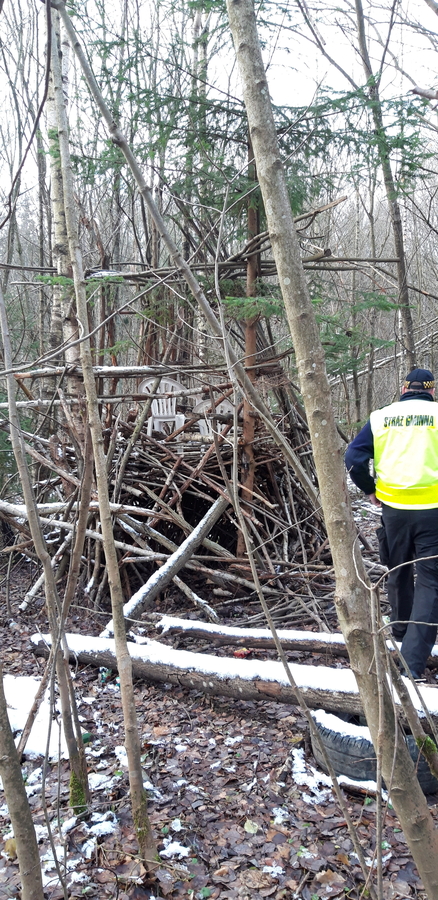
[{"x": 402, "y": 440}]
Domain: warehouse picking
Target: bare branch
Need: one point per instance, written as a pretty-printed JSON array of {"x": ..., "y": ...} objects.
[
  {"x": 424, "y": 92},
  {"x": 433, "y": 5}
]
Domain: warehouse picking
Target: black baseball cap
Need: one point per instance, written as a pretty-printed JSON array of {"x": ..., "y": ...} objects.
[{"x": 420, "y": 380}]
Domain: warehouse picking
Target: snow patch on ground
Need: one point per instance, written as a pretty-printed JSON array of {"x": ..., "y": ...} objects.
[
  {"x": 20, "y": 693},
  {"x": 306, "y": 776},
  {"x": 174, "y": 848}
]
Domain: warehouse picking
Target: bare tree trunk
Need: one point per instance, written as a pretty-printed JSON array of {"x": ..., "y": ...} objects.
[
  {"x": 355, "y": 350},
  {"x": 373, "y": 317},
  {"x": 19, "y": 809},
  {"x": 64, "y": 325},
  {"x": 132, "y": 739},
  {"x": 247, "y": 461},
  {"x": 79, "y": 785},
  {"x": 202, "y": 674},
  {"x": 353, "y": 595},
  {"x": 156, "y": 583},
  {"x": 408, "y": 343},
  {"x": 251, "y": 680}
]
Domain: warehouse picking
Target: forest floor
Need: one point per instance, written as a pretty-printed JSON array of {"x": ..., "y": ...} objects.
[{"x": 229, "y": 821}]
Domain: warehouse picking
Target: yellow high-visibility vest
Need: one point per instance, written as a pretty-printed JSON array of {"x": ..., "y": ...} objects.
[{"x": 406, "y": 454}]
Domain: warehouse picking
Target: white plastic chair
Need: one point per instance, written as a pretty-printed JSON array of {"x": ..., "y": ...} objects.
[
  {"x": 205, "y": 424},
  {"x": 163, "y": 409}
]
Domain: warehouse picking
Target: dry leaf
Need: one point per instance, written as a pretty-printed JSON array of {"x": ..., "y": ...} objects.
[
  {"x": 11, "y": 848},
  {"x": 329, "y": 877},
  {"x": 220, "y": 873},
  {"x": 251, "y": 827},
  {"x": 160, "y": 730},
  {"x": 401, "y": 889},
  {"x": 166, "y": 880},
  {"x": 130, "y": 871},
  {"x": 255, "y": 879},
  {"x": 288, "y": 720},
  {"x": 104, "y": 877}
]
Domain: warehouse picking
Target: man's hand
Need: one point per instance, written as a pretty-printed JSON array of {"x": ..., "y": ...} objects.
[{"x": 373, "y": 499}]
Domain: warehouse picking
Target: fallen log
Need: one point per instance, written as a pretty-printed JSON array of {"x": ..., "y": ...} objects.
[
  {"x": 222, "y": 635},
  {"x": 322, "y": 687},
  {"x": 261, "y": 638}
]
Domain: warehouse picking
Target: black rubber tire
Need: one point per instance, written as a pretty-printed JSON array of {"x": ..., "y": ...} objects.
[{"x": 355, "y": 757}]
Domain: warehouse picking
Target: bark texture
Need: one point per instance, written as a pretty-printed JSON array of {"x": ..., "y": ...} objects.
[{"x": 353, "y": 595}]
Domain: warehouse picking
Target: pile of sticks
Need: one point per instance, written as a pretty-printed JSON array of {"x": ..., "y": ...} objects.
[
  {"x": 176, "y": 483},
  {"x": 167, "y": 488}
]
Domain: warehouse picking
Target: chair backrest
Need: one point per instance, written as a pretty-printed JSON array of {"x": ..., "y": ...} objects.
[
  {"x": 205, "y": 424},
  {"x": 161, "y": 406}
]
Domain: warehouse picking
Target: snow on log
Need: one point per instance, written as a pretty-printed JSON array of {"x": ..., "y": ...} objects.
[
  {"x": 322, "y": 687},
  {"x": 291, "y": 639}
]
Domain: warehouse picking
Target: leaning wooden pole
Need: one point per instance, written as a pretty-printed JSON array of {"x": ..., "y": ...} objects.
[{"x": 352, "y": 589}]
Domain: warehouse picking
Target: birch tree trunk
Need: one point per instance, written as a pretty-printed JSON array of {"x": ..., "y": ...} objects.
[
  {"x": 132, "y": 740},
  {"x": 64, "y": 325},
  {"x": 352, "y": 590}
]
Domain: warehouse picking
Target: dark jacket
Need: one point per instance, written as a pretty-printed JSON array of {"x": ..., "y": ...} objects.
[{"x": 361, "y": 450}]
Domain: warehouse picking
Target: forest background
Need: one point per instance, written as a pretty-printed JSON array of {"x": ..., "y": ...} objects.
[
  {"x": 358, "y": 149},
  {"x": 168, "y": 76}
]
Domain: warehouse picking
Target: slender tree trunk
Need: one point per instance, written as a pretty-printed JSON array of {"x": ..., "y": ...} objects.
[
  {"x": 373, "y": 317},
  {"x": 64, "y": 326},
  {"x": 352, "y": 592},
  {"x": 355, "y": 350},
  {"x": 247, "y": 461},
  {"x": 408, "y": 343},
  {"x": 138, "y": 797},
  {"x": 79, "y": 783}
]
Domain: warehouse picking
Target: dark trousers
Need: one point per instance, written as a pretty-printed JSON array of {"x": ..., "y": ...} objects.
[{"x": 413, "y": 533}]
